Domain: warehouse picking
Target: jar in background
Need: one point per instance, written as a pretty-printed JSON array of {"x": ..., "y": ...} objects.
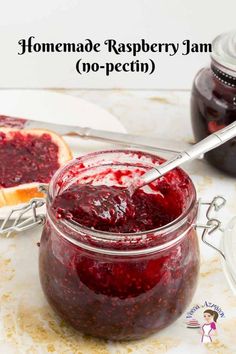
[
  {"x": 119, "y": 286},
  {"x": 213, "y": 101}
]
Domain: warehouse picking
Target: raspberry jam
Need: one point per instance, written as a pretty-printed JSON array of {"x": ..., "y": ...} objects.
[
  {"x": 213, "y": 103},
  {"x": 126, "y": 278},
  {"x": 100, "y": 207},
  {"x": 32, "y": 158},
  {"x": 113, "y": 209}
]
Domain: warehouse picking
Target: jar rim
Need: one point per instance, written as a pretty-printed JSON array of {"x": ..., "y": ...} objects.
[
  {"x": 224, "y": 53},
  {"x": 114, "y": 236}
]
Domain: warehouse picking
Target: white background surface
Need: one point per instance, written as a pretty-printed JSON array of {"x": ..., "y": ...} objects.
[{"x": 76, "y": 20}]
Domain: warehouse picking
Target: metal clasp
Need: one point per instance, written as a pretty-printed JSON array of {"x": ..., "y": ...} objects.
[
  {"x": 17, "y": 221},
  {"x": 213, "y": 224}
]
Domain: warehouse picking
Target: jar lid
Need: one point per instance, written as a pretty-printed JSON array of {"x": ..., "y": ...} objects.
[
  {"x": 228, "y": 247},
  {"x": 224, "y": 50}
]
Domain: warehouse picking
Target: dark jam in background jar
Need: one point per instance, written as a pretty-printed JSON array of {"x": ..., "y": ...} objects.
[
  {"x": 213, "y": 102},
  {"x": 113, "y": 284}
]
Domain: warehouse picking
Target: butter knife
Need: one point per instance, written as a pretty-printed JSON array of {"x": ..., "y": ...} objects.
[{"x": 138, "y": 141}]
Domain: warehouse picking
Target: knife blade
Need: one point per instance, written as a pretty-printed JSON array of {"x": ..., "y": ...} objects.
[{"x": 138, "y": 141}]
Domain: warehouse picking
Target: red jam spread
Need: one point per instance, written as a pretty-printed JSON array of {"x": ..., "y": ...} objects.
[
  {"x": 26, "y": 158},
  {"x": 120, "y": 296},
  {"x": 113, "y": 209}
]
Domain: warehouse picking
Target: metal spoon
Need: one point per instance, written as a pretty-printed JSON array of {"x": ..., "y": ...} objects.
[
  {"x": 211, "y": 142},
  {"x": 116, "y": 204}
]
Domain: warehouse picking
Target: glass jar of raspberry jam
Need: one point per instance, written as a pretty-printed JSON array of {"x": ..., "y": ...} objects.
[
  {"x": 213, "y": 102},
  {"x": 134, "y": 278}
]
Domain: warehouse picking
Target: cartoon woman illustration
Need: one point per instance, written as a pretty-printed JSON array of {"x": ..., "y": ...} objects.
[{"x": 209, "y": 328}]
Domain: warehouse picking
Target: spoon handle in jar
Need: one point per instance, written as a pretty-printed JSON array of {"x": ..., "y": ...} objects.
[{"x": 211, "y": 142}]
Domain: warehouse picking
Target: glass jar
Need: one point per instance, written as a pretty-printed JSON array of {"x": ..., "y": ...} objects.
[
  {"x": 113, "y": 285},
  {"x": 213, "y": 102}
]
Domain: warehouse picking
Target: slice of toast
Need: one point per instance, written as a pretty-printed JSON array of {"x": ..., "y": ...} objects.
[{"x": 22, "y": 192}]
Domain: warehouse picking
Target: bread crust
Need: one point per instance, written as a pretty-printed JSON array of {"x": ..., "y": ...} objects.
[{"x": 24, "y": 192}]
